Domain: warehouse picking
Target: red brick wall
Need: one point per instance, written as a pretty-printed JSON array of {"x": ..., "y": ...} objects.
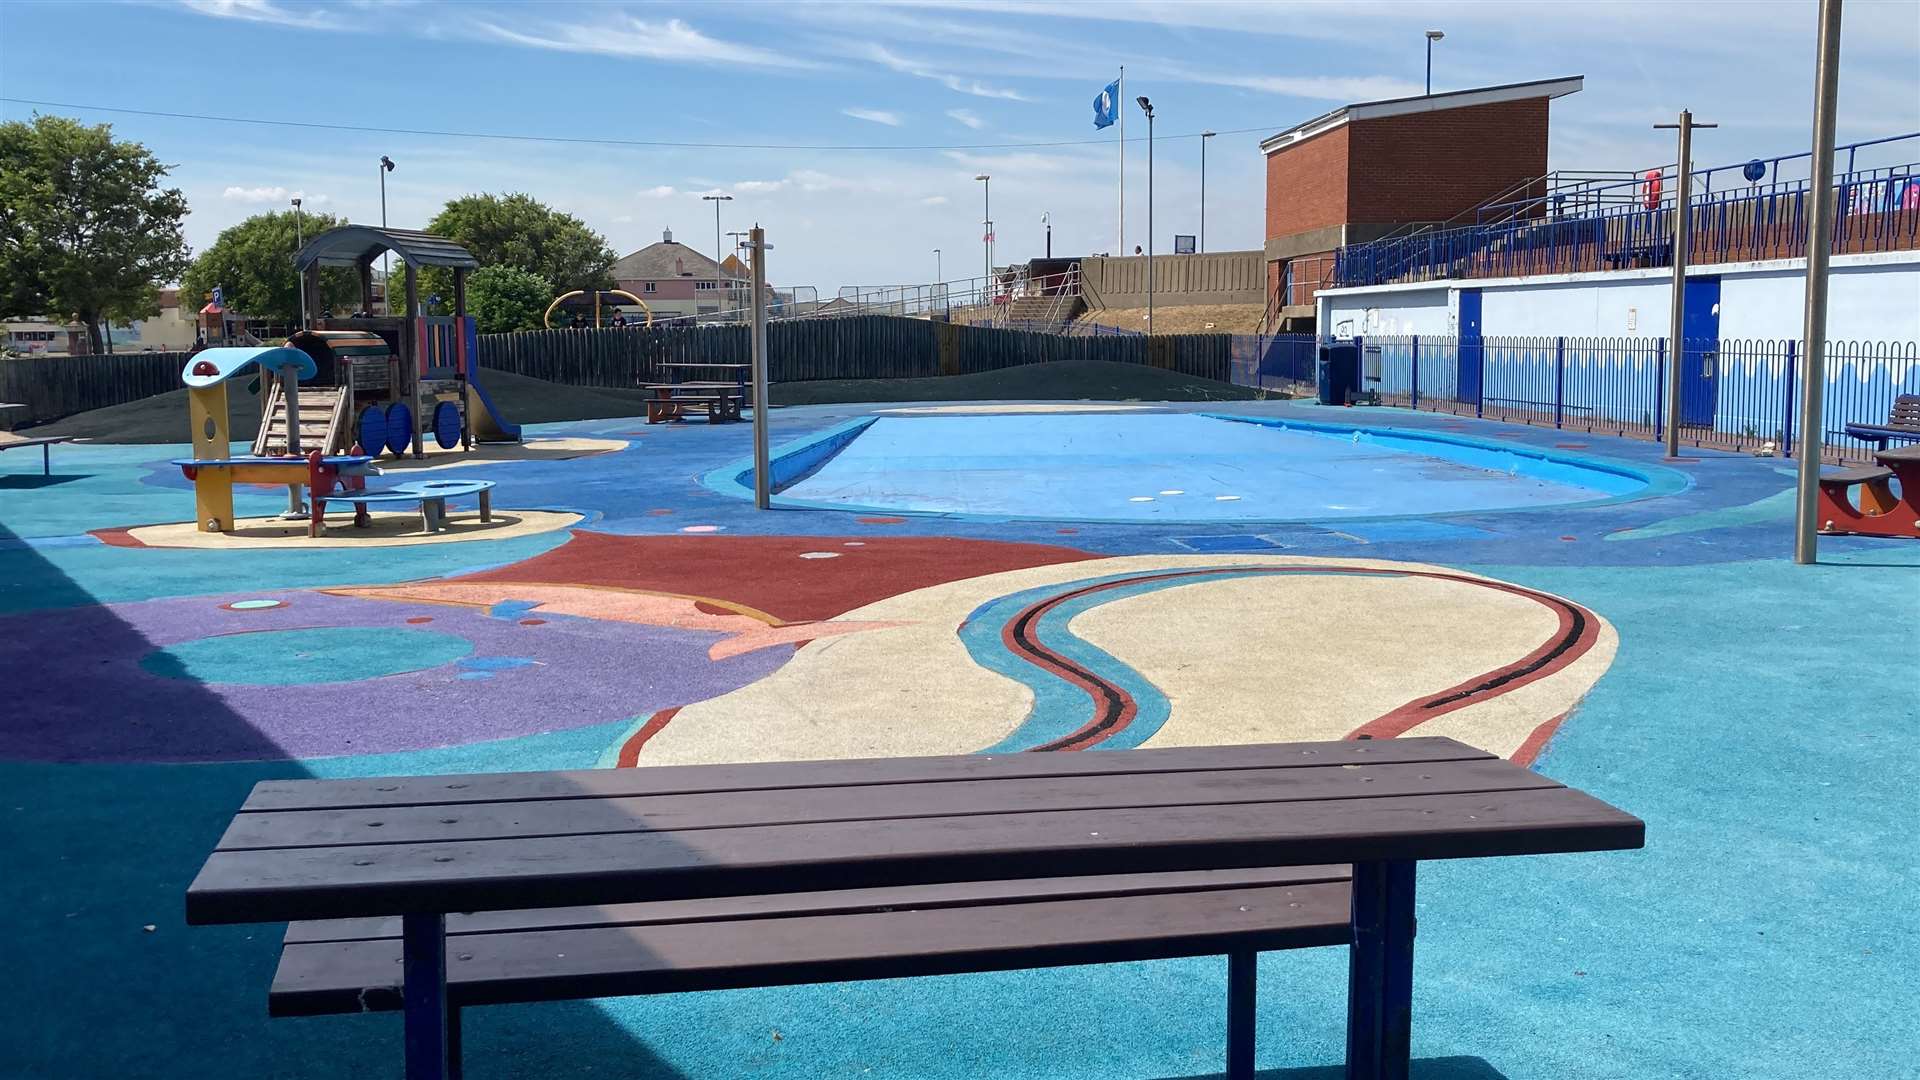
[
  {"x": 1307, "y": 185},
  {"x": 1431, "y": 166}
]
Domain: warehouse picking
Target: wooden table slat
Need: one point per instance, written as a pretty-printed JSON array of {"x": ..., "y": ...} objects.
[
  {"x": 690, "y": 779},
  {"x": 834, "y": 902},
  {"x": 311, "y": 883},
  {"x": 899, "y": 802}
]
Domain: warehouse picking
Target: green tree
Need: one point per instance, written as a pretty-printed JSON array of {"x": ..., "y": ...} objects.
[
  {"x": 503, "y": 299},
  {"x": 252, "y": 263},
  {"x": 85, "y": 228},
  {"x": 518, "y": 230}
]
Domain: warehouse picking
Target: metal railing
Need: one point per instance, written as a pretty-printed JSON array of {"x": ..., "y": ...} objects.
[
  {"x": 1623, "y": 223},
  {"x": 1735, "y": 394}
]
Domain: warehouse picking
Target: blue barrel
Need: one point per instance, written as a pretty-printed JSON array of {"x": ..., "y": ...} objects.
[
  {"x": 399, "y": 427},
  {"x": 446, "y": 425},
  {"x": 372, "y": 429}
]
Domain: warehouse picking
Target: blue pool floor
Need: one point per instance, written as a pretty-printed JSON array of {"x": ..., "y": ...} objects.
[{"x": 1168, "y": 467}]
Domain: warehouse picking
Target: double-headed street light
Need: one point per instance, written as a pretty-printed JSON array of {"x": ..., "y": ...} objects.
[
  {"x": 986, "y": 237},
  {"x": 719, "y": 253}
]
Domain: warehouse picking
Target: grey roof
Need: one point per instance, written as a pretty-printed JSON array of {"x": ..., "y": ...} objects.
[
  {"x": 353, "y": 245},
  {"x": 663, "y": 261}
]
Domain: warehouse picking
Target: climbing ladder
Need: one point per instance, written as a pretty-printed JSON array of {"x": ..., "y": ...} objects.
[{"x": 323, "y": 421}]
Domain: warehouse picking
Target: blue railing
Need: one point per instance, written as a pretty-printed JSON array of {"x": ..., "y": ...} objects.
[
  {"x": 1610, "y": 225},
  {"x": 1735, "y": 395}
]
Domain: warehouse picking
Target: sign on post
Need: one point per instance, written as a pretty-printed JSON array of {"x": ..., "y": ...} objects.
[{"x": 1183, "y": 243}]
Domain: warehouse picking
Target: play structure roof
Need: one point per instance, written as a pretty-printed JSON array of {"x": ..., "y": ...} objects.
[{"x": 353, "y": 245}]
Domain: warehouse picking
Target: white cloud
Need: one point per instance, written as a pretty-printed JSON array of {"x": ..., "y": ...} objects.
[
  {"x": 957, "y": 83},
  {"x": 662, "y": 191},
  {"x": 934, "y": 200},
  {"x": 877, "y": 116},
  {"x": 263, "y": 11},
  {"x": 1342, "y": 88},
  {"x": 967, "y": 117},
  {"x": 672, "y": 40},
  {"x": 271, "y": 195},
  {"x": 759, "y": 186}
]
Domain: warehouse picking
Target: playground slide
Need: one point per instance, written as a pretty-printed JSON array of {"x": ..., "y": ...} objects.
[{"x": 484, "y": 420}]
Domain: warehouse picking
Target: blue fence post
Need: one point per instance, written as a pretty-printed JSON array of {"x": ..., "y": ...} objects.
[
  {"x": 1559, "y": 380},
  {"x": 1786, "y": 407},
  {"x": 1659, "y": 386},
  {"x": 1414, "y": 390}
]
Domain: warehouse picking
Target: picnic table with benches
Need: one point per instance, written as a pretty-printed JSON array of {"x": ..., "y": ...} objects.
[
  {"x": 10, "y": 441},
  {"x": 1881, "y": 511},
  {"x": 655, "y": 880},
  {"x": 1903, "y": 423},
  {"x": 723, "y": 399}
]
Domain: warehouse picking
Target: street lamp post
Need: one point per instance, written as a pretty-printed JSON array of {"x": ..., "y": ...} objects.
[
  {"x": 386, "y": 267},
  {"x": 1432, "y": 36},
  {"x": 986, "y": 239},
  {"x": 1147, "y": 107},
  {"x": 299, "y": 241},
  {"x": 1046, "y": 218},
  {"x": 1682, "y": 241},
  {"x": 1204, "y": 136},
  {"x": 719, "y": 253},
  {"x": 1813, "y": 373}
]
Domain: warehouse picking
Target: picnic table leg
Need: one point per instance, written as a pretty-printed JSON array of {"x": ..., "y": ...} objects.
[
  {"x": 1380, "y": 972},
  {"x": 1242, "y": 981},
  {"x": 424, "y": 995},
  {"x": 46, "y": 459},
  {"x": 455, "y": 1069},
  {"x": 486, "y": 505}
]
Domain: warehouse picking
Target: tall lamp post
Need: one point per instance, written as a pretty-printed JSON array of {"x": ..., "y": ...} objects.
[
  {"x": 1432, "y": 36},
  {"x": 986, "y": 238},
  {"x": 719, "y": 253},
  {"x": 300, "y": 241},
  {"x": 386, "y": 268},
  {"x": 1147, "y": 107},
  {"x": 1046, "y": 218},
  {"x": 1204, "y": 136}
]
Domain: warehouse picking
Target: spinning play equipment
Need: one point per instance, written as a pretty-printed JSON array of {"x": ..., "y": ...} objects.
[
  {"x": 386, "y": 382},
  {"x": 214, "y": 472}
]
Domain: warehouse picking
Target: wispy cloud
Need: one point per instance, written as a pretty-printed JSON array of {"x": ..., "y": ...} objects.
[
  {"x": 934, "y": 200},
  {"x": 759, "y": 187},
  {"x": 967, "y": 117},
  {"x": 960, "y": 84},
  {"x": 877, "y": 116},
  {"x": 1317, "y": 87},
  {"x": 660, "y": 191},
  {"x": 274, "y": 194},
  {"x": 673, "y": 41},
  {"x": 264, "y": 11}
]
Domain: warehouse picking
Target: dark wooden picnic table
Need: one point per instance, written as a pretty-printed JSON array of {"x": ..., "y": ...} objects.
[{"x": 421, "y": 847}]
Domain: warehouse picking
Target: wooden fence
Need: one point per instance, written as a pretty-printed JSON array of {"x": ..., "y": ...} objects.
[
  {"x": 850, "y": 347},
  {"x": 56, "y": 386}
]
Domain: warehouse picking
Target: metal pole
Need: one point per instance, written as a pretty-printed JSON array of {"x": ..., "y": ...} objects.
[
  {"x": 762, "y": 474},
  {"x": 1682, "y": 237},
  {"x": 1429, "y": 66},
  {"x": 1120, "y": 106},
  {"x": 1819, "y": 243},
  {"x": 299, "y": 241},
  {"x": 1204, "y": 136},
  {"x": 1149, "y": 222},
  {"x": 386, "y": 268}
]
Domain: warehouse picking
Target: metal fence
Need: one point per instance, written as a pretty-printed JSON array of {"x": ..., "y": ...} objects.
[
  {"x": 1735, "y": 394},
  {"x": 852, "y": 347}
]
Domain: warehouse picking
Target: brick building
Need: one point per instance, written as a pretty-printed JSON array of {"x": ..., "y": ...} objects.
[
  {"x": 677, "y": 281},
  {"x": 1377, "y": 168}
]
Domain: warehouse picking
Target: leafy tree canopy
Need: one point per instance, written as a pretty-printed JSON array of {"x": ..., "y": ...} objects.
[
  {"x": 252, "y": 263},
  {"x": 503, "y": 299},
  {"x": 86, "y": 231},
  {"x": 519, "y": 230}
]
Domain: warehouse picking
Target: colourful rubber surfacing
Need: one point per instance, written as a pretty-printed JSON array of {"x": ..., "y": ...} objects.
[
  {"x": 1656, "y": 649},
  {"x": 1180, "y": 467}
]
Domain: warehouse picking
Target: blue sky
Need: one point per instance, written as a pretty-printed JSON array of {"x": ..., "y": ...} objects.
[{"x": 948, "y": 75}]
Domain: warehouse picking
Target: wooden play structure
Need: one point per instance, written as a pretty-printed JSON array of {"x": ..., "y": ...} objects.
[{"x": 383, "y": 382}]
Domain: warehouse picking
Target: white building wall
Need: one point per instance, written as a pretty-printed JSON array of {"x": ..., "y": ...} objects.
[{"x": 1870, "y": 298}]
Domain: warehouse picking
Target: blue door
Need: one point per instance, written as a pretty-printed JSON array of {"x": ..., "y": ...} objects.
[
  {"x": 1470, "y": 353},
  {"x": 1699, "y": 371}
]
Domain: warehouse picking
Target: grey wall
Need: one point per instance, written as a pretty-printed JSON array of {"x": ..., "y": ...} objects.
[{"x": 1218, "y": 277}]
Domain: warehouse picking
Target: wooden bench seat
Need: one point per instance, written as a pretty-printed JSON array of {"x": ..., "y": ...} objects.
[
  {"x": 10, "y": 441},
  {"x": 543, "y": 954},
  {"x": 1903, "y": 422},
  {"x": 429, "y": 495}
]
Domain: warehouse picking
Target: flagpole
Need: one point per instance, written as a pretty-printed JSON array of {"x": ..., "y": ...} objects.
[{"x": 1120, "y": 249}]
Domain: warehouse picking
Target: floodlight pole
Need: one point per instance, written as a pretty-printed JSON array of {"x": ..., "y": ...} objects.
[
  {"x": 1682, "y": 237},
  {"x": 1204, "y": 136},
  {"x": 1813, "y": 369},
  {"x": 300, "y": 241},
  {"x": 386, "y": 268},
  {"x": 1147, "y": 107},
  {"x": 762, "y": 472}
]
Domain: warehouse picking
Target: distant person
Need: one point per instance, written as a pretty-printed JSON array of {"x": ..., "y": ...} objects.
[
  {"x": 1136, "y": 249},
  {"x": 199, "y": 342},
  {"x": 620, "y": 320}
]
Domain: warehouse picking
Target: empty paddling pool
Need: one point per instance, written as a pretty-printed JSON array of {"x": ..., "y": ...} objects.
[{"x": 1171, "y": 467}]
